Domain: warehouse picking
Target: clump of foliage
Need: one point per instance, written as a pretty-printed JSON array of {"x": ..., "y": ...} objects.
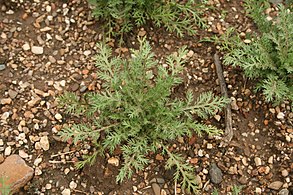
[
  {"x": 4, "y": 188},
  {"x": 135, "y": 112},
  {"x": 269, "y": 57},
  {"x": 121, "y": 16},
  {"x": 236, "y": 190}
]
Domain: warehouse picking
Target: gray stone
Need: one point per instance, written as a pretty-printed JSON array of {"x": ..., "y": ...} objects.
[
  {"x": 12, "y": 94},
  {"x": 2, "y": 67},
  {"x": 284, "y": 192},
  {"x": 215, "y": 174}
]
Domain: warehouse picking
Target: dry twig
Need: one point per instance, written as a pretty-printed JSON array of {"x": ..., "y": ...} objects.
[{"x": 228, "y": 118}]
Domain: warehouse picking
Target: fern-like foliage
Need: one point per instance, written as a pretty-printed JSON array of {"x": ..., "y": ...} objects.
[
  {"x": 135, "y": 111},
  {"x": 269, "y": 57},
  {"x": 120, "y": 16}
]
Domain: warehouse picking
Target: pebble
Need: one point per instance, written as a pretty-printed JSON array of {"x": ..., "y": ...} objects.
[
  {"x": 209, "y": 146},
  {"x": 233, "y": 103},
  {"x": 285, "y": 173},
  {"x": 48, "y": 186},
  {"x": 72, "y": 185},
  {"x": 217, "y": 117},
  {"x": 44, "y": 143},
  {"x": 276, "y": 185},
  {"x": 37, "y": 50},
  {"x": 66, "y": 191},
  {"x": 58, "y": 116},
  {"x": 12, "y": 94},
  {"x": 280, "y": 115},
  {"x": 200, "y": 153},
  {"x": 38, "y": 161},
  {"x": 23, "y": 154},
  {"x": 215, "y": 174},
  {"x": 271, "y": 160},
  {"x": 258, "y": 190},
  {"x": 7, "y": 151},
  {"x": 6, "y": 101},
  {"x": 87, "y": 52},
  {"x": 2, "y": 67},
  {"x": 113, "y": 161},
  {"x": 38, "y": 171},
  {"x": 283, "y": 192},
  {"x": 26, "y": 47},
  {"x": 5, "y": 116},
  {"x": 257, "y": 161}
]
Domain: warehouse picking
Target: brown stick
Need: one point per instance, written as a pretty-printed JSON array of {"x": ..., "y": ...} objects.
[{"x": 228, "y": 114}]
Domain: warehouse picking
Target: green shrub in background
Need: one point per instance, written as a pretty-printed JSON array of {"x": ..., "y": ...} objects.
[
  {"x": 134, "y": 111},
  {"x": 269, "y": 57},
  {"x": 120, "y": 16}
]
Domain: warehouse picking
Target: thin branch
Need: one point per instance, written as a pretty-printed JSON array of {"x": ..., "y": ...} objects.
[{"x": 228, "y": 114}]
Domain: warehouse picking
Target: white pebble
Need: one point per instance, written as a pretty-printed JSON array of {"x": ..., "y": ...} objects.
[
  {"x": 58, "y": 116},
  {"x": 66, "y": 191}
]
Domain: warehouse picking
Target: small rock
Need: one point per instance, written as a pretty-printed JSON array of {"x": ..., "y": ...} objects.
[
  {"x": 280, "y": 115},
  {"x": 72, "y": 185},
  {"x": 37, "y": 50},
  {"x": 38, "y": 161},
  {"x": 6, "y": 101},
  {"x": 48, "y": 186},
  {"x": 66, "y": 191},
  {"x": 198, "y": 181},
  {"x": 243, "y": 180},
  {"x": 44, "y": 142},
  {"x": 5, "y": 116},
  {"x": 2, "y": 67},
  {"x": 58, "y": 116},
  {"x": 156, "y": 188},
  {"x": 26, "y": 47},
  {"x": 276, "y": 185},
  {"x": 83, "y": 88},
  {"x": 7, "y": 151},
  {"x": 215, "y": 174},
  {"x": 217, "y": 117},
  {"x": 271, "y": 160},
  {"x": 52, "y": 59},
  {"x": 258, "y": 190},
  {"x": 200, "y": 153},
  {"x": 209, "y": 146},
  {"x": 18, "y": 173},
  {"x": 283, "y": 192},
  {"x": 38, "y": 171},
  {"x": 113, "y": 161},
  {"x": 22, "y": 154},
  {"x": 285, "y": 173},
  {"x": 12, "y": 94},
  {"x": 233, "y": 103},
  {"x": 257, "y": 161},
  {"x": 87, "y": 52}
]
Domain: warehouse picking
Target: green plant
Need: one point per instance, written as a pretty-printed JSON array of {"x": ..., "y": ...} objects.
[
  {"x": 236, "y": 190},
  {"x": 136, "y": 113},
  {"x": 269, "y": 57},
  {"x": 4, "y": 188},
  {"x": 121, "y": 16}
]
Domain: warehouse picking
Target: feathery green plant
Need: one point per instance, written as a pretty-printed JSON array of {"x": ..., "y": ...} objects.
[
  {"x": 135, "y": 112},
  {"x": 269, "y": 57},
  {"x": 121, "y": 16}
]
